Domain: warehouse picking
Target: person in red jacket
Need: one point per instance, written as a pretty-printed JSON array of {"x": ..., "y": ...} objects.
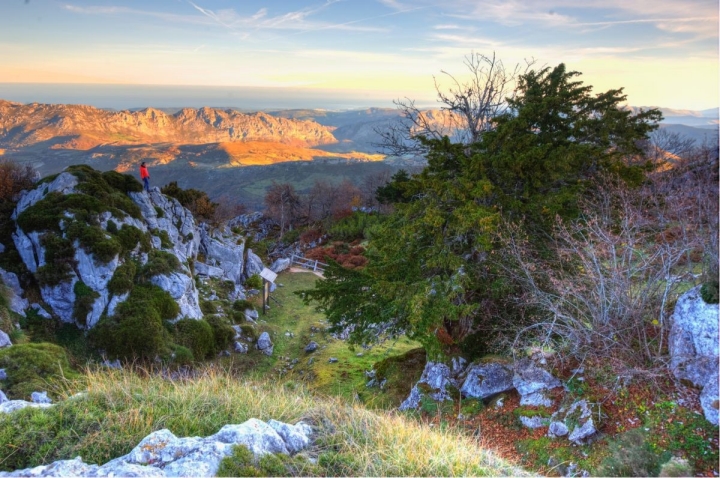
[{"x": 145, "y": 176}]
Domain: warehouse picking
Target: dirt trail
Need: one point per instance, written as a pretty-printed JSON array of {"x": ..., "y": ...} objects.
[{"x": 301, "y": 269}]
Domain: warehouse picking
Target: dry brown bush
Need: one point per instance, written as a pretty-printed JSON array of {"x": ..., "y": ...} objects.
[{"x": 14, "y": 178}]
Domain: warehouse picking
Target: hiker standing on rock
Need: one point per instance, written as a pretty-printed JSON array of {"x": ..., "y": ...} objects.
[{"x": 145, "y": 176}]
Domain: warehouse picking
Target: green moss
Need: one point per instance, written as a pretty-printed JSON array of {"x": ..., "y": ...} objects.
[
  {"x": 209, "y": 306},
  {"x": 122, "y": 279},
  {"x": 34, "y": 367},
  {"x": 400, "y": 372},
  {"x": 112, "y": 227},
  {"x": 243, "y": 463},
  {"x": 249, "y": 331},
  {"x": 84, "y": 300},
  {"x": 240, "y": 463},
  {"x": 182, "y": 355},
  {"x": 197, "y": 335},
  {"x": 531, "y": 412}
]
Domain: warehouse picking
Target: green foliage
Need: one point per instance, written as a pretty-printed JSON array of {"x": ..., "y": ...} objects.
[
  {"x": 631, "y": 455},
  {"x": 240, "y": 463},
  {"x": 182, "y": 355},
  {"x": 131, "y": 236},
  {"x": 34, "y": 367},
  {"x": 254, "y": 282},
  {"x": 197, "y": 335},
  {"x": 400, "y": 373},
  {"x": 353, "y": 226},
  {"x": 223, "y": 333},
  {"x": 709, "y": 292},
  {"x": 165, "y": 241},
  {"x": 122, "y": 279},
  {"x": 95, "y": 184},
  {"x": 84, "y": 300},
  {"x": 94, "y": 240},
  {"x": 59, "y": 260},
  {"x": 159, "y": 263},
  {"x": 395, "y": 191},
  {"x": 243, "y": 305},
  {"x": 208, "y": 307},
  {"x": 112, "y": 227},
  {"x": 136, "y": 330},
  {"x": 159, "y": 212},
  {"x": 122, "y": 182}
]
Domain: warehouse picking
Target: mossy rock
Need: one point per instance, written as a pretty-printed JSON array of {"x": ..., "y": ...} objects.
[
  {"x": 401, "y": 373},
  {"x": 242, "y": 462},
  {"x": 35, "y": 367}
]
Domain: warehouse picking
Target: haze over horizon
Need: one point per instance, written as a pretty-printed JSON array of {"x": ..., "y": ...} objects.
[{"x": 340, "y": 54}]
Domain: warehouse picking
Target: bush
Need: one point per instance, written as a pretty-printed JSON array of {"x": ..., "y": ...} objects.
[
  {"x": 59, "y": 260},
  {"x": 182, "y": 355},
  {"x": 94, "y": 240},
  {"x": 159, "y": 263},
  {"x": 243, "y": 305},
  {"x": 122, "y": 279},
  {"x": 34, "y": 368},
  {"x": 197, "y": 335},
  {"x": 15, "y": 178},
  {"x": 122, "y": 182},
  {"x": 254, "y": 282},
  {"x": 709, "y": 292},
  {"x": 84, "y": 300},
  {"x": 136, "y": 330},
  {"x": 130, "y": 236},
  {"x": 223, "y": 333}
]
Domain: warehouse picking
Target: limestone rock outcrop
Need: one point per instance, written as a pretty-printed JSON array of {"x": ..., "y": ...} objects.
[{"x": 18, "y": 304}]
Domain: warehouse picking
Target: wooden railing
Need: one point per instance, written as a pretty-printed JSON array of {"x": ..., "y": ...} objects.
[{"x": 314, "y": 265}]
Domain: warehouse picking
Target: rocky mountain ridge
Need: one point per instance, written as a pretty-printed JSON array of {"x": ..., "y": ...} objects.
[{"x": 84, "y": 127}]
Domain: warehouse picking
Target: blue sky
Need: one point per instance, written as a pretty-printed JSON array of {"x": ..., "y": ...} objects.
[{"x": 665, "y": 53}]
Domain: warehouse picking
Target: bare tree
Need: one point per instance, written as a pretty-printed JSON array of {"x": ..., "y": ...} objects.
[
  {"x": 467, "y": 107},
  {"x": 283, "y": 205},
  {"x": 14, "y": 178}
]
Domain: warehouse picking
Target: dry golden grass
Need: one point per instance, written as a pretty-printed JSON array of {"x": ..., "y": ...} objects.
[{"x": 259, "y": 153}]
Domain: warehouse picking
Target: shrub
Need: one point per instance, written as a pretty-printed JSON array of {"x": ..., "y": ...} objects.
[
  {"x": 165, "y": 241},
  {"x": 223, "y": 333},
  {"x": 254, "y": 282},
  {"x": 130, "y": 236},
  {"x": 136, "y": 330},
  {"x": 94, "y": 240},
  {"x": 182, "y": 355},
  {"x": 122, "y": 182},
  {"x": 709, "y": 292},
  {"x": 122, "y": 279},
  {"x": 59, "y": 260},
  {"x": 197, "y": 335},
  {"x": 84, "y": 300},
  {"x": 33, "y": 368},
  {"x": 15, "y": 178},
  {"x": 243, "y": 305},
  {"x": 159, "y": 263},
  {"x": 112, "y": 227}
]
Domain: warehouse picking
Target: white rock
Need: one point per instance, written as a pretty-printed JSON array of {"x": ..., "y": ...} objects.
[
  {"x": 40, "y": 397},
  {"x": 13, "y": 405},
  {"x": 4, "y": 340},
  {"x": 15, "y": 293}
]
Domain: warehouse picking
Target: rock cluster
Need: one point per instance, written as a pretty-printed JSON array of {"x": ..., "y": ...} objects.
[{"x": 163, "y": 454}]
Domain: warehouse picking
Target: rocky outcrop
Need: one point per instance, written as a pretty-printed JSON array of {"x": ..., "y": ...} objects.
[
  {"x": 436, "y": 382},
  {"x": 532, "y": 383},
  {"x": 253, "y": 264},
  {"x": 163, "y": 454},
  {"x": 576, "y": 421},
  {"x": 18, "y": 304},
  {"x": 483, "y": 380},
  {"x": 223, "y": 255},
  {"x": 181, "y": 287},
  {"x": 694, "y": 348}
]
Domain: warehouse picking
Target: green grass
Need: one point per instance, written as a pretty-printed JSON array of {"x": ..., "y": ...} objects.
[
  {"x": 345, "y": 378},
  {"x": 122, "y": 407}
]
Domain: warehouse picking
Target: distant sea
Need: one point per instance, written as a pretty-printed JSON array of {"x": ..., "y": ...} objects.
[{"x": 121, "y": 97}]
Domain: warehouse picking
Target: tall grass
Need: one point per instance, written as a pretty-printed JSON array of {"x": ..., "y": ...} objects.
[{"x": 122, "y": 407}]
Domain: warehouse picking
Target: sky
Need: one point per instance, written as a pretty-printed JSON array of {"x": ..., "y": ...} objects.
[{"x": 316, "y": 53}]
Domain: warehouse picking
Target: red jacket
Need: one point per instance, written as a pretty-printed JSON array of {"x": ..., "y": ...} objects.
[{"x": 144, "y": 172}]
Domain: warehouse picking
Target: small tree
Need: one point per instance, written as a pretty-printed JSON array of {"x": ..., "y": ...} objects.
[
  {"x": 283, "y": 205},
  {"x": 14, "y": 178}
]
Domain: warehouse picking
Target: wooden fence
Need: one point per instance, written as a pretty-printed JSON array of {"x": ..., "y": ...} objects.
[{"x": 312, "y": 264}]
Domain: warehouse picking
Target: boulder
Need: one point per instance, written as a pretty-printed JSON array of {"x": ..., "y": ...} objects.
[
  {"x": 434, "y": 383},
  {"x": 264, "y": 344},
  {"x": 296, "y": 437},
  {"x": 14, "y": 292},
  {"x": 13, "y": 405},
  {"x": 40, "y": 397},
  {"x": 253, "y": 265},
  {"x": 4, "y": 340},
  {"x": 251, "y": 315},
  {"x": 3, "y": 397},
  {"x": 240, "y": 347},
  {"x": 311, "y": 347},
  {"x": 532, "y": 382},
  {"x": 577, "y": 420},
  {"x": 223, "y": 254},
  {"x": 693, "y": 342},
  {"x": 534, "y": 422},
  {"x": 483, "y": 380},
  {"x": 280, "y": 265},
  {"x": 61, "y": 298},
  {"x": 41, "y": 311},
  {"x": 709, "y": 399}
]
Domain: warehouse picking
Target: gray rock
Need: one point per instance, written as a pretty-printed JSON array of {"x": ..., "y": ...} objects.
[
  {"x": 223, "y": 254},
  {"x": 484, "y": 380},
  {"x": 240, "y": 348},
  {"x": 436, "y": 377},
  {"x": 258, "y": 436},
  {"x": 64, "y": 183},
  {"x": 14, "y": 292},
  {"x": 693, "y": 344},
  {"x": 181, "y": 287},
  {"x": 280, "y": 265},
  {"x": 3, "y": 397},
  {"x": 4, "y": 340},
  {"x": 311, "y": 347},
  {"x": 3, "y": 374},
  {"x": 296, "y": 437},
  {"x": 67, "y": 468},
  {"x": 557, "y": 429},
  {"x": 13, "y": 405},
  {"x": 332, "y": 360},
  {"x": 251, "y": 315},
  {"x": 116, "y": 300},
  {"x": 578, "y": 420},
  {"x": 709, "y": 400},
  {"x": 61, "y": 298},
  {"x": 115, "y": 364},
  {"x": 532, "y": 382},
  {"x": 40, "y": 397},
  {"x": 534, "y": 422},
  {"x": 41, "y": 312},
  {"x": 264, "y": 344},
  {"x": 253, "y": 265}
]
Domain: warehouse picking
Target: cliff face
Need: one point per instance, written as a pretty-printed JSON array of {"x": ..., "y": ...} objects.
[{"x": 84, "y": 127}]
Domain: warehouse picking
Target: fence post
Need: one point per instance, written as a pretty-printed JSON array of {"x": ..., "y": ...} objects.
[{"x": 315, "y": 266}]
